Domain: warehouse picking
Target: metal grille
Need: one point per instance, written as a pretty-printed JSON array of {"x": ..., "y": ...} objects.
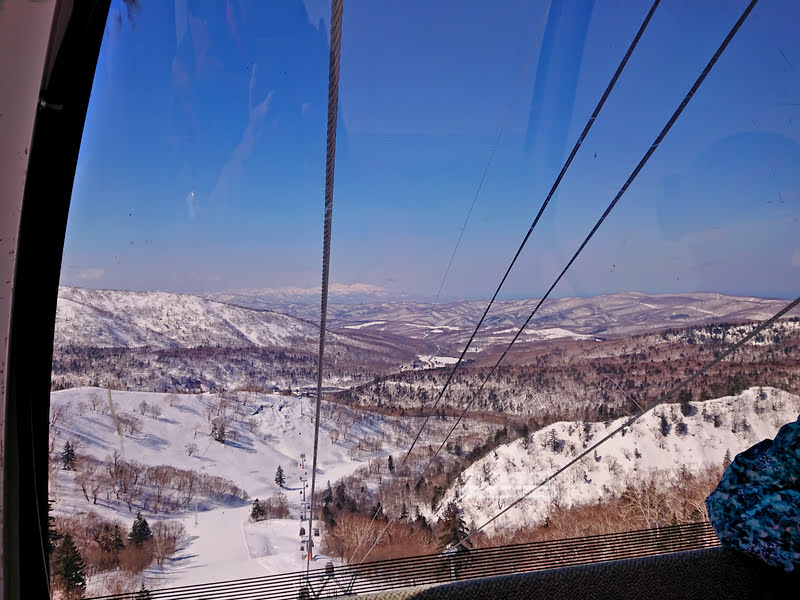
[{"x": 443, "y": 568}]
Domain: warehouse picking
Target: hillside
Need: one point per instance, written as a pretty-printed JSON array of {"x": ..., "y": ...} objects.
[
  {"x": 671, "y": 439},
  {"x": 597, "y": 380},
  {"x": 155, "y": 341},
  {"x": 159, "y": 454},
  {"x": 112, "y": 319},
  {"x": 447, "y": 326}
]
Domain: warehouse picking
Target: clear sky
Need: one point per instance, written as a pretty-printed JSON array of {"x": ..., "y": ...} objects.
[{"x": 202, "y": 165}]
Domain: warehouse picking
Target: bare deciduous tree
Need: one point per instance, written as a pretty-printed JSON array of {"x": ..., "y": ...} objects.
[{"x": 167, "y": 536}]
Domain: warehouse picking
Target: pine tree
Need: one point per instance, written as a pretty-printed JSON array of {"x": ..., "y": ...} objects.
[
  {"x": 665, "y": 426},
  {"x": 116, "y": 540},
  {"x": 52, "y": 534},
  {"x": 403, "y": 511},
  {"x": 140, "y": 531},
  {"x": 279, "y": 478},
  {"x": 727, "y": 459},
  {"x": 454, "y": 530},
  {"x": 68, "y": 568},
  {"x": 684, "y": 397},
  {"x": 327, "y": 497},
  {"x": 327, "y": 516},
  {"x": 390, "y": 464},
  {"x": 377, "y": 512},
  {"x": 68, "y": 457},
  {"x": 110, "y": 539},
  {"x": 103, "y": 538},
  {"x": 422, "y": 522},
  {"x": 257, "y": 512}
]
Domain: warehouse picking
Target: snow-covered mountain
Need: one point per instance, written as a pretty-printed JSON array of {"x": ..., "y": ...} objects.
[
  {"x": 111, "y": 318},
  {"x": 271, "y": 298},
  {"x": 264, "y": 431},
  {"x": 164, "y": 335},
  {"x": 186, "y": 342},
  {"x": 448, "y": 325},
  {"x": 690, "y": 439}
]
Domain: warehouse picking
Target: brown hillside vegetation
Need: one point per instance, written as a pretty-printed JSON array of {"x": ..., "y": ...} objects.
[{"x": 599, "y": 380}]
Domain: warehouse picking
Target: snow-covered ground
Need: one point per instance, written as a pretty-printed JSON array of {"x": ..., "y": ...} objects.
[
  {"x": 430, "y": 362},
  {"x": 222, "y": 544},
  {"x": 111, "y": 318},
  {"x": 265, "y": 431},
  {"x": 504, "y": 475},
  {"x": 362, "y": 325}
]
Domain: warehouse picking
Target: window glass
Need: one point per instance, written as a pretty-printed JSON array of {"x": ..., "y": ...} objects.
[{"x": 185, "y": 361}]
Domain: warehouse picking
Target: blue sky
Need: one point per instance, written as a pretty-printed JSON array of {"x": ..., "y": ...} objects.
[{"x": 202, "y": 164}]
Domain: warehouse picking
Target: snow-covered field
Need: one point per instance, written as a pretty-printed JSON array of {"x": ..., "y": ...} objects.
[
  {"x": 495, "y": 481},
  {"x": 265, "y": 431},
  {"x": 222, "y": 543}
]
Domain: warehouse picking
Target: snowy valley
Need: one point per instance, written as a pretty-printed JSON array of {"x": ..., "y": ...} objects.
[{"x": 182, "y": 408}]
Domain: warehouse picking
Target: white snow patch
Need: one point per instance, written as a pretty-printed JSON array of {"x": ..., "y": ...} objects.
[{"x": 362, "y": 325}]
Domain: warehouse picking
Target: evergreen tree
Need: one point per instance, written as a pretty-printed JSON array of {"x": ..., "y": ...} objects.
[
  {"x": 453, "y": 528},
  {"x": 116, "y": 540},
  {"x": 110, "y": 539},
  {"x": 279, "y": 478},
  {"x": 404, "y": 511},
  {"x": 52, "y": 534},
  {"x": 422, "y": 522},
  {"x": 218, "y": 430},
  {"x": 257, "y": 512},
  {"x": 664, "y": 426},
  {"x": 327, "y": 516},
  {"x": 140, "y": 531},
  {"x": 390, "y": 464},
  {"x": 68, "y": 568},
  {"x": 684, "y": 397},
  {"x": 327, "y": 498},
  {"x": 68, "y": 457},
  {"x": 103, "y": 538},
  {"x": 727, "y": 459}
]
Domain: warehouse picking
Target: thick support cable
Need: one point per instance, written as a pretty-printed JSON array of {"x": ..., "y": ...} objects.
[
  {"x": 330, "y": 163},
  {"x": 689, "y": 95},
  {"x": 542, "y": 208}
]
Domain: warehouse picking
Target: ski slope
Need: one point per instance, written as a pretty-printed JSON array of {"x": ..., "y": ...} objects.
[{"x": 222, "y": 544}]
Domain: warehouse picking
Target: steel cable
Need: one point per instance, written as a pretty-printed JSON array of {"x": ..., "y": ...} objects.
[
  {"x": 527, "y": 236},
  {"x": 330, "y": 165},
  {"x": 687, "y": 98},
  {"x": 542, "y": 208}
]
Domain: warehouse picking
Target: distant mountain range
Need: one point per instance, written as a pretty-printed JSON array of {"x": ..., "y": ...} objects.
[
  {"x": 270, "y": 298},
  {"x": 447, "y": 326},
  {"x": 256, "y": 346},
  {"x": 111, "y": 318}
]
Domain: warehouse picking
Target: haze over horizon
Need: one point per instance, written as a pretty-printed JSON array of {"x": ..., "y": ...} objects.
[
  {"x": 368, "y": 294},
  {"x": 202, "y": 163}
]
